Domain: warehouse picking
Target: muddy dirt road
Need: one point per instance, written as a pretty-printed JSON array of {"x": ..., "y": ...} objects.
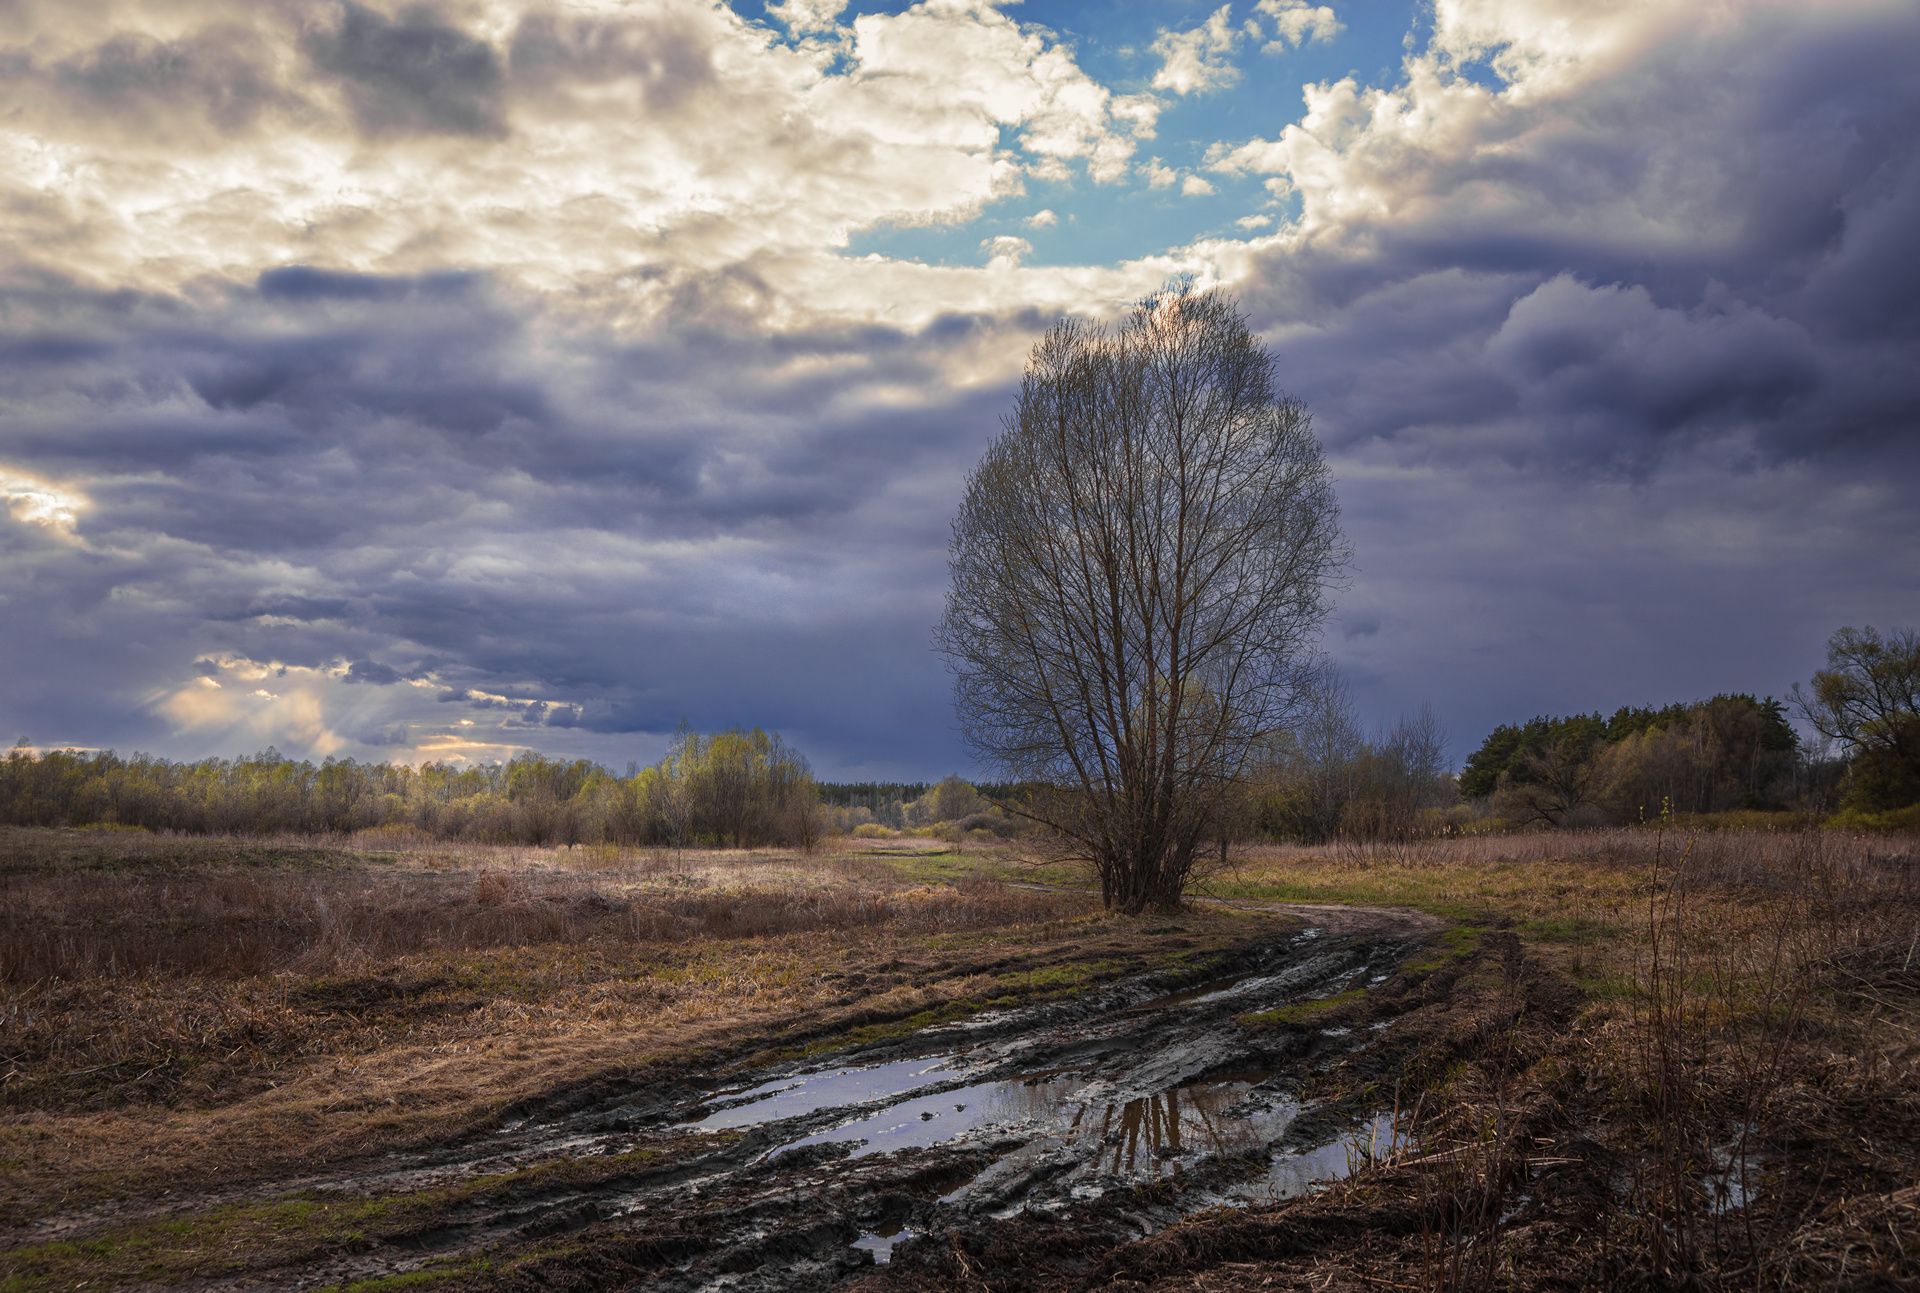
[{"x": 1124, "y": 1107}]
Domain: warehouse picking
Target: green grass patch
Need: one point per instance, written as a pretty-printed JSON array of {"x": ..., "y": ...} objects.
[
  {"x": 1455, "y": 944},
  {"x": 1430, "y": 891},
  {"x": 1605, "y": 985},
  {"x": 950, "y": 865},
  {"x": 1301, "y": 1014},
  {"x": 458, "y": 1274},
  {"x": 299, "y": 1229}
]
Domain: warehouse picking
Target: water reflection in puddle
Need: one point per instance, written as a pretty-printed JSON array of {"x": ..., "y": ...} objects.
[
  {"x": 1206, "y": 1118},
  {"x": 880, "y": 1242},
  {"x": 1138, "y": 1137},
  {"x": 1297, "y": 1172},
  {"x": 804, "y": 1093},
  {"x": 933, "y": 1119},
  {"x": 1733, "y": 1182}
]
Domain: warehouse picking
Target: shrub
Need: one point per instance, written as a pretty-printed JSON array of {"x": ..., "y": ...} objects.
[
  {"x": 996, "y": 825},
  {"x": 1894, "y": 819}
]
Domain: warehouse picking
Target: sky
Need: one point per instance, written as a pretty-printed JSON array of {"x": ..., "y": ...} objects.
[{"x": 415, "y": 380}]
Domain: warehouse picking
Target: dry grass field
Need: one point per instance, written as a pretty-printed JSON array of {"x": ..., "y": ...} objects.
[
  {"x": 188, "y": 1015},
  {"x": 1694, "y": 1061},
  {"x": 1634, "y": 1058}
]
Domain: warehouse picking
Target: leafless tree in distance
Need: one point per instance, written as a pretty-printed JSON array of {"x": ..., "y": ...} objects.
[{"x": 1140, "y": 567}]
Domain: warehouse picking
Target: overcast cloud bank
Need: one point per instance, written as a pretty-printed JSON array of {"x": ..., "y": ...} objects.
[{"x": 443, "y": 380}]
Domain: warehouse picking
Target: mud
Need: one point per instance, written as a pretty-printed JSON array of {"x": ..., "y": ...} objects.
[{"x": 1121, "y": 1109}]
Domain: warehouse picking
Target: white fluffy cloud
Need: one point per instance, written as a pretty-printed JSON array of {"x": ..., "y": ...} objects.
[
  {"x": 806, "y": 16},
  {"x": 1200, "y": 58},
  {"x": 617, "y": 150},
  {"x": 1298, "y": 22},
  {"x": 1440, "y": 147}
]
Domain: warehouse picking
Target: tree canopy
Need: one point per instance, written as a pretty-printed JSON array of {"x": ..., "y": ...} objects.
[
  {"x": 1729, "y": 752},
  {"x": 1868, "y": 700}
]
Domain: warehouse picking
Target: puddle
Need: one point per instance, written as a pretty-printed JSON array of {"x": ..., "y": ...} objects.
[
  {"x": 1735, "y": 1180},
  {"x": 1297, "y": 1172},
  {"x": 1036, "y": 1110},
  {"x": 947, "y": 1115},
  {"x": 1112, "y": 1111},
  {"x": 1143, "y": 1136},
  {"x": 880, "y": 1242},
  {"x": 805, "y": 1093}
]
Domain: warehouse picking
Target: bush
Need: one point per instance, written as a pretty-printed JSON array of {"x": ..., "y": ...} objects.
[
  {"x": 1743, "y": 819},
  {"x": 874, "y": 831},
  {"x": 1894, "y": 819},
  {"x": 997, "y": 825}
]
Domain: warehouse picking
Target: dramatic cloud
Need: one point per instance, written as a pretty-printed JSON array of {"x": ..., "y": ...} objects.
[
  {"x": 1573, "y": 337},
  {"x": 620, "y": 151},
  {"x": 410, "y": 74},
  {"x": 804, "y": 16},
  {"x": 394, "y": 380}
]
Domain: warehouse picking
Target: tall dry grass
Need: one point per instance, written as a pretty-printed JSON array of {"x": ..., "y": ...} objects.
[
  {"x": 196, "y": 971},
  {"x": 201, "y": 913},
  {"x": 1739, "y": 1089}
]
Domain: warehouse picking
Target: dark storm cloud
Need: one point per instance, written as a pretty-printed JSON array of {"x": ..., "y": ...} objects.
[
  {"x": 411, "y": 74},
  {"x": 1620, "y": 401},
  {"x": 1621, "y": 394},
  {"x": 305, "y": 283},
  {"x": 361, "y": 473},
  {"x": 1678, "y": 253},
  {"x": 210, "y": 84},
  {"x": 662, "y": 54},
  {"x": 371, "y": 671}
]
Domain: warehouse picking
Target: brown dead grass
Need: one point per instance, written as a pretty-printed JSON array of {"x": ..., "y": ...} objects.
[
  {"x": 239, "y": 908},
  {"x": 224, "y": 1011},
  {"x": 1733, "y": 1006},
  {"x": 1621, "y": 1024}
]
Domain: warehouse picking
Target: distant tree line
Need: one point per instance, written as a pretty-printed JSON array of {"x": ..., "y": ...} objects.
[
  {"x": 1730, "y": 753},
  {"x": 1322, "y": 779},
  {"x": 734, "y": 788},
  {"x": 1867, "y": 703},
  {"x": 1712, "y": 756},
  {"x": 913, "y": 805}
]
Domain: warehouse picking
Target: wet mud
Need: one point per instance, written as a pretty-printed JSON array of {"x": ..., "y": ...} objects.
[
  {"x": 1122, "y": 1109},
  {"x": 1133, "y": 1106}
]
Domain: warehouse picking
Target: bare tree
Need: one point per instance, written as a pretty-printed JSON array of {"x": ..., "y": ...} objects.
[
  {"x": 1310, "y": 775},
  {"x": 1140, "y": 567}
]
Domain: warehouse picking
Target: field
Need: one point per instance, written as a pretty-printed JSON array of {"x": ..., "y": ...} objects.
[{"x": 1617, "y": 1059}]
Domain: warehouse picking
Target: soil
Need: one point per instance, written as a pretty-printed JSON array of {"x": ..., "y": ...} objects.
[
  {"x": 1077, "y": 1124},
  {"x": 1356, "y": 1099}
]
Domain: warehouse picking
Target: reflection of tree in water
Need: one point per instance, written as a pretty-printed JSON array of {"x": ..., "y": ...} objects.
[{"x": 1147, "y": 1130}]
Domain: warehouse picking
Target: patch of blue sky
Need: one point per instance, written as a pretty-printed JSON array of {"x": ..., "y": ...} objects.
[
  {"x": 1096, "y": 224},
  {"x": 1112, "y": 42}
]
